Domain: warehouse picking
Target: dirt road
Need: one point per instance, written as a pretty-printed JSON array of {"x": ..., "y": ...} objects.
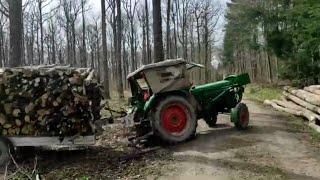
[{"x": 273, "y": 148}]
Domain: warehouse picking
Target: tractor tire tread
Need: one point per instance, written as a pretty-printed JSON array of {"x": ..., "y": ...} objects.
[{"x": 165, "y": 138}]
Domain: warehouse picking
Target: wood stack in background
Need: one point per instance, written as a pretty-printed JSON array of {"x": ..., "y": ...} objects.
[
  {"x": 300, "y": 102},
  {"x": 48, "y": 101}
]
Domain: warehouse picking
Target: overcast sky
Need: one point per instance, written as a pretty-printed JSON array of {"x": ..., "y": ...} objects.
[{"x": 220, "y": 29}]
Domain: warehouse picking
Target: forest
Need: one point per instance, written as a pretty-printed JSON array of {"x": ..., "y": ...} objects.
[
  {"x": 114, "y": 37},
  {"x": 274, "y": 40},
  {"x": 67, "y": 109}
]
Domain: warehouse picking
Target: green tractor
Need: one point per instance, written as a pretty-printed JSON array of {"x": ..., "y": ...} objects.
[{"x": 166, "y": 104}]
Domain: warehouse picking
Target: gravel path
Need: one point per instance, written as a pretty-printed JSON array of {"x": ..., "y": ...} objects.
[{"x": 272, "y": 148}]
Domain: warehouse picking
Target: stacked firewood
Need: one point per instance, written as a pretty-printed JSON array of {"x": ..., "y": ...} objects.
[
  {"x": 48, "y": 101},
  {"x": 300, "y": 102}
]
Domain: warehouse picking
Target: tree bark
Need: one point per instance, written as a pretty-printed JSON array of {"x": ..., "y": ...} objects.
[
  {"x": 148, "y": 32},
  {"x": 1, "y": 46},
  {"x": 302, "y": 103},
  {"x": 313, "y": 89},
  {"x": 118, "y": 49},
  {"x": 207, "y": 59},
  {"x": 168, "y": 30},
  {"x": 144, "y": 43},
  {"x": 157, "y": 31},
  {"x": 84, "y": 47},
  {"x": 41, "y": 31},
  {"x": 16, "y": 32},
  {"x": 305, "y": 95},
  {"x": 104, "y": 51},
  {"x": 287, "y": 107}
]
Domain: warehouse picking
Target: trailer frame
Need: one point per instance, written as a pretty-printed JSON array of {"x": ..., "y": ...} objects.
[{"x": 8, "y": 145}]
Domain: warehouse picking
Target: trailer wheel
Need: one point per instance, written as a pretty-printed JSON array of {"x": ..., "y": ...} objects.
[
  {"x": 240, "y": 116},
  {"x": 174, "y": 120},
  {"x": 5, "y": 149}
]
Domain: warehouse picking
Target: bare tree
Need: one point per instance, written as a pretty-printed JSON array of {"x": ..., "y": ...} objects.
[
  {"x": 148, "y": 32},
  {"x": 84, "y": 47},
  {"x": 118, "y": 50},
  {"x": 175, "y": 29},
  {"x": 3, "y": 20},
  {"x": 157, "y": 31},
  {"x": 168, "y": 29},
  {"x": 52, "y": 30},
  {"x": 210, "y": 18},
  {"x": 71, "y": 10},
  {"x": 112, "y": 22},
  {"x": 130, "y": 8},
  {"x": 104, "y": 50},
  {"x": 142, "y": 21},
  {"x": 16, "y": 33}
]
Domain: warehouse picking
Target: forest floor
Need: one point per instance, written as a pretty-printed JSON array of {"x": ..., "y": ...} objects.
[{"x": 276, "y": 146}]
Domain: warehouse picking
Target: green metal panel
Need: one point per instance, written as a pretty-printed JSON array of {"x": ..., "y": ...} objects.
[
  {"x": 148, "y": 105},
  {"x": 239, "y": 80},
  {"x": 210, "y": 94}
]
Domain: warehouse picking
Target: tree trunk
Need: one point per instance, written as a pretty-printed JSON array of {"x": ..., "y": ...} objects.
[
  {"x": 168, "y": 30},
  {"x": 104, "y": 51},
  {"x": 53, "y": 50},
  {"x": 157, "y": 31},
  {"x": 199, "y": 48},
  {"x": 148, "y": 32},
  {"x": 1, "y": 46},
  {"x": 41, "y": 31},
  {"x": 74, "y": 53},
  {"x": 84, "y": 47},
  {"x": 207, "y": 59},
  {"x": 175, "y": 26},
  {"x": 144, "y": 44},
  {"x": 16, "y": 33},
  {"x": 133, "y": 60},
  {"x": 291, "y": 108},
  {"x": 118, "y": 49}
]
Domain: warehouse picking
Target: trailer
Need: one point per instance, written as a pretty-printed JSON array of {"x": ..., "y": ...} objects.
[{"x": 9, "y": 144}]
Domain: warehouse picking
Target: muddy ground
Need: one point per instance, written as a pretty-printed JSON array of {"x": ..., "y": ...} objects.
[{"x": 276, "y": 146}]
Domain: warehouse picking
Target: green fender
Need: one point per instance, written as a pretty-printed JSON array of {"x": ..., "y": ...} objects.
[{"x": 152, "y": 100}]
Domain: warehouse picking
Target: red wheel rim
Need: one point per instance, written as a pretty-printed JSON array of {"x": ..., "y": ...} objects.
[
  {"x": 174, "y": 118},
  {"x": 244, "y": 118}
]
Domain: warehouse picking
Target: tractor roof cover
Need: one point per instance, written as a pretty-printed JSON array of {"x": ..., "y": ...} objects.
[{"x": 168, "y": 75}]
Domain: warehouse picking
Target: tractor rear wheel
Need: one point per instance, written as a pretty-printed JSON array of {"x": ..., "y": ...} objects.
[
  {"x": 240, "y": 116},
  {"x": 6, "y": 149},
  {"x": 174, "y": 120}
]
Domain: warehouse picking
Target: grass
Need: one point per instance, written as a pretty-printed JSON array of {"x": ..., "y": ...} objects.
[
  {"x": 298, "y": 125},
  {"x": 260, "y": 93}
]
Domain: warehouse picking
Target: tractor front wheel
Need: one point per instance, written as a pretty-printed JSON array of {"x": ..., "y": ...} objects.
[
  {"x": 240, "y": 116},
  {"x": 174, "y": 120}
]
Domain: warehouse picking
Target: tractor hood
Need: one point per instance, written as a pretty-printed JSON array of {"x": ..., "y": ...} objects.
[{"x": 229, "y": 82}]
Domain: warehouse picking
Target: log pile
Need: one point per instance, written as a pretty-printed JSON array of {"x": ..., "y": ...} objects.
[
  {"x": 300, "y": 102},
  {"x": 48, "y": 101}
]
